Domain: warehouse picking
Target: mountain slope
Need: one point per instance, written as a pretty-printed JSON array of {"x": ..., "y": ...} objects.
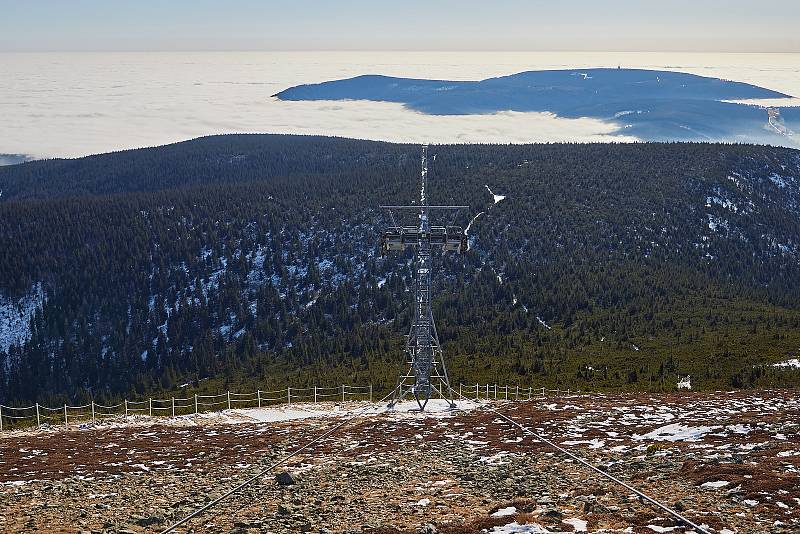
[
  {"x": 254, "y": 258},
  {"x": 651, "y": 105}
]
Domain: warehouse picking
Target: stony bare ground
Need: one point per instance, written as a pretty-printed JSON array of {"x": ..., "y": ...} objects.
[{"x": 729, "y": 461}]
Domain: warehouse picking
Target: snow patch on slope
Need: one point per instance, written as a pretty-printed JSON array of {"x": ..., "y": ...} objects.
[
  {"x": 497, "y": 198},
  {"x": 15, "y": 317}
]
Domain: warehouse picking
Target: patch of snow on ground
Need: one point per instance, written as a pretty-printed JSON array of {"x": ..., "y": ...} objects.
[
  {"x": 578, "y": 524},
  {"x": 676, "y": 432},
  {"x": 593, "y": 443},
  {"x": 274, "y": 414},
  {"x": 279, "y": 413},
  {"x": 495, "y": 459},
  {"x": 794, "y": 363},
  {"x": 505, "y": 512},
  {"x": 544, "y": 324},
  {"x": 715, "y": 484},
  {"x": 516, "y": 528}
]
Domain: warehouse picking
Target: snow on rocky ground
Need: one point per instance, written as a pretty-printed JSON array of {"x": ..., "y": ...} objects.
[
  {"x": 730, "y": 461},
  {"x": 281, "y": 413}
]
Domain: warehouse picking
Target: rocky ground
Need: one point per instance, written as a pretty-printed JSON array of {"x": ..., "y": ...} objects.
[{"x": 728, "y": 461}]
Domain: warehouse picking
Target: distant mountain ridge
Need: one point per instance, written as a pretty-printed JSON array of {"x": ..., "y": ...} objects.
[
  {"x": 12, "y": 159},
  {"x": 649, "y": 104}
]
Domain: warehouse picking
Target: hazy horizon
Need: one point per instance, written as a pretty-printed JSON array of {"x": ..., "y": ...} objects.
[{"x": 415, "y": 25}]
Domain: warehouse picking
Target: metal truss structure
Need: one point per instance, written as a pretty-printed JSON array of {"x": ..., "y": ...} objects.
[{"x": 427, "y": 371}]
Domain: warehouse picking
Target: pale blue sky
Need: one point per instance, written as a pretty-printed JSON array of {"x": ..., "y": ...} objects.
[{"x": 609, "y": 25}]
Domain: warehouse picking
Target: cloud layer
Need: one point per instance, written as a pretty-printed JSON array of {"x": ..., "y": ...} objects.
[{"x": 67, "y": 105}]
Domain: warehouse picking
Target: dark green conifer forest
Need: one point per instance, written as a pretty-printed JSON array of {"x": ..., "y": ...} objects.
[{"x": 244, "y": 260}]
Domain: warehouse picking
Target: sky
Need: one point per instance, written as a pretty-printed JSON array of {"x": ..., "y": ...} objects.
[{"x": 451, "y": 25}]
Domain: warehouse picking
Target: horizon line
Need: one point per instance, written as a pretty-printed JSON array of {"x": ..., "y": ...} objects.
[{"x": 396, "y": 50}]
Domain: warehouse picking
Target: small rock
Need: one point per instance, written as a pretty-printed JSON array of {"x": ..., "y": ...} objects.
[
  {"x": 552, "y": 512},
  {"x": 285, "y": 479},
  {"x": 147, "y": 521}
]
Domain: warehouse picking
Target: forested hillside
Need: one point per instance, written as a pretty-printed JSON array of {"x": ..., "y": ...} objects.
[{"x": 253, "y": 258}]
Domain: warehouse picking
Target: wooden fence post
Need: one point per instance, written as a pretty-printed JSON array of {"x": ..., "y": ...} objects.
[
  {"x": 126, "y": 407},
  {"x": 517, "y": 393},
  {"x": 289, "y": 394},
  {"x": 459, "y": 390},
  {"x": 342, "y": 392},
  {"x": 38, "y": 421},
  {"x": 229, "y": 400},
  {"x": 66, "y": 422},
  {"x": 370, "y": 392},
  {"x": 258, "y": 393},
  {"x": 151, "y": 407},
  {"x": 195, "y": 403},
  {"x": 495, "y": 392},
  {"x": 477, "y": 391},
  {"x": 93, "y": 411},
  {"x": 173, "y": 406}
]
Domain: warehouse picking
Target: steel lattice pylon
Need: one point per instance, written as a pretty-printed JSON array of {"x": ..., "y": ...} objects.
[{"x": 427, "y": 371}]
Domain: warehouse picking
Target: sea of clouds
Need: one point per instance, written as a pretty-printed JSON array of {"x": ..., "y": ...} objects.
[{"x": 69, "y": 105}]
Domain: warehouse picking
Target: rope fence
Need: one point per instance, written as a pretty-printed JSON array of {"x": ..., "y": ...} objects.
[
  {"x": 512, "y": 393},
  {"x": 38, "y": 414}
]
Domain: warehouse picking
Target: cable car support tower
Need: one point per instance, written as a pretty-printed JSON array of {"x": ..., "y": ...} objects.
[{"x": 427, "y": 372}]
